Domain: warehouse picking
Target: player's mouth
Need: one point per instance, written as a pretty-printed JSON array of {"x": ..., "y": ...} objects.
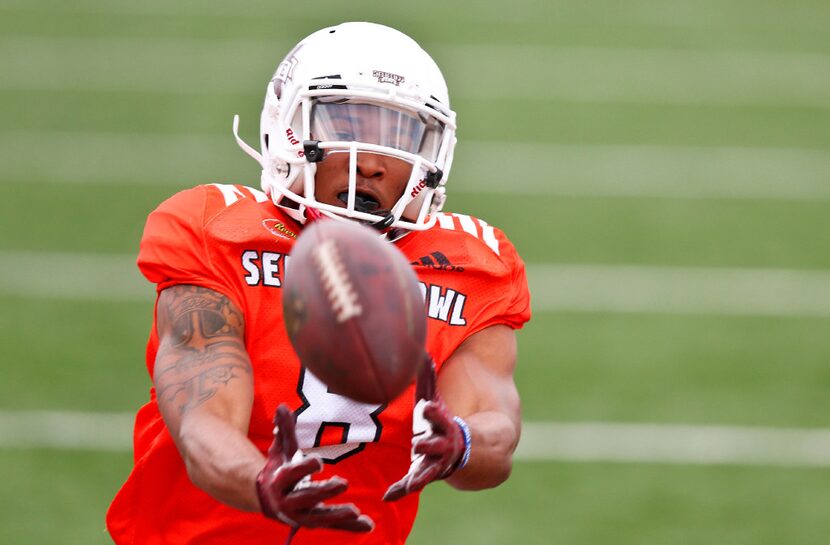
[{"x": 363, "y": 201}]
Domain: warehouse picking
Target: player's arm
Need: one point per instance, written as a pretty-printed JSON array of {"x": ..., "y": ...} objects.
[
  {"x": 204, "y": 387},
  {"x": 467, "y": 421},
  {"x": 205, "y": 391},
  {"x": 477, "y": 384}
]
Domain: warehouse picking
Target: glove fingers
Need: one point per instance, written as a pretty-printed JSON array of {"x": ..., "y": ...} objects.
[
  {"x": 337, "y": 512},
  {"x": 397, "y": 490},
  {"x": 403, "y": 486},
  {"x": 422, "y": 477},
  {"x": 290, "y": 474},
  {"x": 339, "y": 516},
  {"x": 286, "y": 432},
  {"x": 363, "y": 523},
  {"x": 437, "y": 415},
  {"x": 425, "y": 382},
  {"x": 417, "y": 478},
  {"x": 269, "y": 471},
  {"x": 307, "y": 497}
]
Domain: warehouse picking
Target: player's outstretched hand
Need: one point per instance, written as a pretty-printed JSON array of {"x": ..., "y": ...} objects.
[
  {"x": 286, "y": 492},
  {"x": 440, "y": 443}
]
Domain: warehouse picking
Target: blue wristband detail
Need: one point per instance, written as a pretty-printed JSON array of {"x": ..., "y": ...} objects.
[{"x": 468, "y": 441}]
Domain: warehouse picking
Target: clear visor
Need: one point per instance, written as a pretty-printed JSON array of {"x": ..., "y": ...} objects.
[{"x": 346, "y": 121}]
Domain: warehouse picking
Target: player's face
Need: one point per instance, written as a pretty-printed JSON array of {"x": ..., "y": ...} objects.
[{"x": 380, "y": 180}]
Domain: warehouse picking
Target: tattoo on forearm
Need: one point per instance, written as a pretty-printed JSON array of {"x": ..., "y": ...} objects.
[
  {"x": 192, "y": 392},
  {"x": 202, "y": 347}
]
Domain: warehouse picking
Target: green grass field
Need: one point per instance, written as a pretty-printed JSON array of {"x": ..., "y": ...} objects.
[{"x": 657, "y": 134}]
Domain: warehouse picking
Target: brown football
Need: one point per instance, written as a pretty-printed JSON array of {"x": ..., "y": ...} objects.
[{"x": 353, "y": 311}]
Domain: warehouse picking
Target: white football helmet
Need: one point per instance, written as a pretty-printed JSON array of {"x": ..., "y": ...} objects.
[{"x": 356, "y": 87}]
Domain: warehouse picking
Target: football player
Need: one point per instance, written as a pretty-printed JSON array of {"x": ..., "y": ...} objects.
[{"x": 356, "y": 126}]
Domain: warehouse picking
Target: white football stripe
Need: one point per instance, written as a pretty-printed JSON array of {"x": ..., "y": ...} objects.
[
  {"x": 762, "y": 18},
  {"x": 66, "y": 430},
  {"x": 661, "y": 443},
  {"x": 554, "y": 287},
  {"x": 675, "y": 290},
  {"x": 541, "y": 441},
  {"x": 684, "y": 172},
  {"x": 73, "y": 277},
  {"x": 547, "y": 72}
]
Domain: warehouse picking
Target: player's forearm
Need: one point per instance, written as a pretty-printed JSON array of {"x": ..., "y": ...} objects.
[
  {"x": 221, "y": 460},
  {"x": 494, "y": 439},
  {"x": 204, "y": 389}
]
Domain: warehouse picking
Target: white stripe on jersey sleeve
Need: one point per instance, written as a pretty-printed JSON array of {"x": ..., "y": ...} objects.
[
  {"x": 467, "y": 224},
  {"x": 231, "y": 193},
  {"x": 445, "y": 221},
  {"x": 488, "y": 235}
]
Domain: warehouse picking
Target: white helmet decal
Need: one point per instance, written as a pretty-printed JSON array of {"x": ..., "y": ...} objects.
[
  {"x": 356, "y": 69},
  {"x": 388, "y": 77}
]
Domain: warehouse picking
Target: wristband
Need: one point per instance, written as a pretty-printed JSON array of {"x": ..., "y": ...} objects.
[{"x": 468, "y": 442}]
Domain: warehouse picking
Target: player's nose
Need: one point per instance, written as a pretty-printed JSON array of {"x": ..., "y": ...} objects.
[{"x": 371, "y": 165}]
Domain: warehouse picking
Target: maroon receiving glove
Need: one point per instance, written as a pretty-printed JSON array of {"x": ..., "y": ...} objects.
[
  {"x": 287, "y": 493},
  {"x": 440, "y": 443}
]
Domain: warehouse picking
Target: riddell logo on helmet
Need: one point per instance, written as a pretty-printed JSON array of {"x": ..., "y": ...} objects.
[
  {"x": 289, "y": 134},
  {"x": 418, "y": 188},
  {"x": 388, "y": 77}
]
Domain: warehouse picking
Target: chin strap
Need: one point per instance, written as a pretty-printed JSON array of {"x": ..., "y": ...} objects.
[{"x": 312, "y": 214}]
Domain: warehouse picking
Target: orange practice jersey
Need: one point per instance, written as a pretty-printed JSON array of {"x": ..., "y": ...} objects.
[{"x": 233, "y": 239}]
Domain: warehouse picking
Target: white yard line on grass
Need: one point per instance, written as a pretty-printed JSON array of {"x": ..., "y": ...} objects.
[
  {"x": 572, "y": 73},
  {"x": 73, "y": 277},
  {"x": 675, "y": 290},
  {"x": 696, "y": 16},
  {"x": 541, "y": 441},
  {"x": 662, "y": 443},
  {"x": 554, "y": 287},
  {"x": 544, "y": 169},
  {"x": 678, "y": 172},
  {"x": 66, "y": 430}
]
